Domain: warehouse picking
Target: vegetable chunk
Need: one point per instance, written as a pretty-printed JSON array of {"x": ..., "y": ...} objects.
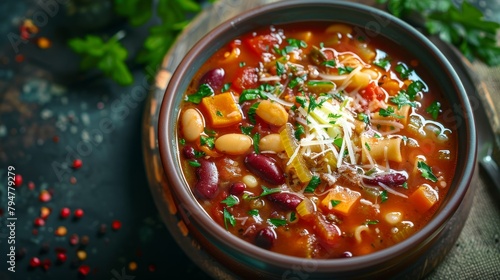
[
  {"x": 222, "y": 110},
  {"x": 424, "y": 198},
  {"x": 340, "y": 200}
]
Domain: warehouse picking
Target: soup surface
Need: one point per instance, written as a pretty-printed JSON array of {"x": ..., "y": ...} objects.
[{"x": 310, "y": 141}]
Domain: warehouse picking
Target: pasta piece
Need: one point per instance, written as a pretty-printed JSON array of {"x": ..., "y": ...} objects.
[
  {"x": 359, "y": 230},
  {"x": 376, "y": 148}
]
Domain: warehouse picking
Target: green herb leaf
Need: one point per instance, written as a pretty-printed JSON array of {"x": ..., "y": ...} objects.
[
  {"x": 403, "y": 70},
  {"x": 368, "y": 146},
  {"x": 426, "y": 171},
  {"x": 434, "y": 109},
  {"x": 251, "y": 112},
  {"x": 329, "y": 63},
  {"x": 345, "y": 70},
  {"x": 402, "y": 99},
  {"x": 293, "y": 216},
  {"x": 228, "y": 218},
  {"x": 256, "y": 140},
  {"x": 226, "y": 87},
  {"x": 251, "y": 94},
  {"x": 203, "y": 91},
  {"x": 280, "y": 68},
  {"x": 414, "y": 88},
  {"x": 335, "y": 202},
  {"x": 247, "y": 130},
  {"x": 230, "y": 200},
  {"x": 194, "y": 163},
  {"x": 313, "y": 184},
  {"x": 405, "y": 185},
  {"x": 253, "y": 212},
  {"x": 207, "y": 141},
  {"x": 364, "y": 118},
  {"x": 277, "y": 222},
  {"x": 299, "y": 131},
  {"x": 389, "y": 112},
  {"x": 371, "y": 222},
  {"x": 384, "y": 196},
  {"x": 268, "y": 191},
  {"x": 383, "y": 63}
]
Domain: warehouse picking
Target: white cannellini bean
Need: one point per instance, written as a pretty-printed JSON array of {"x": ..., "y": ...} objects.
[
  {"x": 271, "y": 142},
  {"x": 233, "y": 143},
  {"x": 192, "y": 124}
]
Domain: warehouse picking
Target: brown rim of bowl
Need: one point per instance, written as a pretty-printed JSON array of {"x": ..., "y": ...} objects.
[{"x": 169, "y": 154}]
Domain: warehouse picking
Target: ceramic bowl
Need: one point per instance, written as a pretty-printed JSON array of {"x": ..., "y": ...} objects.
[{"x": 410, "y": 259}]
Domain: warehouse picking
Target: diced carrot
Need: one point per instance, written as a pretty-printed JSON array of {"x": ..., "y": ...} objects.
[
  {"x": 424, "y": 197},
  {"x": 340, "y": 200},
  {"x": 222, "y": 110},
  {"x": 327, "y": 232}
]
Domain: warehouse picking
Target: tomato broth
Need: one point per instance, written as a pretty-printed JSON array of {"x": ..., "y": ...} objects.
[{"x": 310, "y": 141}]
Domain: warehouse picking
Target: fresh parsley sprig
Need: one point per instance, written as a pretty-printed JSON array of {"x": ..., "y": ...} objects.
[{"x": 464, "y": 26}]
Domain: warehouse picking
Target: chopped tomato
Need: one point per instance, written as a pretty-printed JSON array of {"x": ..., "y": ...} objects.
[
  {"x": 246, "y": 78},
  {"x": 373, "y": 91},
  {"x": 262, "y": 43}
]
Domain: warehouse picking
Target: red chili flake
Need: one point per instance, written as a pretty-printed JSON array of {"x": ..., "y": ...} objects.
[
  {"x": 61, "y": 257},
  {"x": 74, "y": 239},
  {"x": 116, "y": 225},
  {"x": 77, "y": 163},
  {"x": 31, "y": 185},
  {"x": 44, "y": 196},
  {"x": 78, "y": 213},
  {"x": 55, "y": 139},
  {"x": 45, "y": 212},
  {"x": 72, "y": 180},
  {"x": 18, "y": 180},
  {"x": 84, "y": 269},
  {"x": 34, "y": 262},
  {"x": 65, "y": 212},
  {"x": 39, "y": 222},
  {"x": 152, "y": 267},
  {"x": 46, "y": 263}
]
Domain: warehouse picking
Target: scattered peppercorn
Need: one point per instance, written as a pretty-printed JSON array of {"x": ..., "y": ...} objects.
[
  {"x": 78, "y": 213},
  {"x": 84, "y": 269},
  {"x": 18, "y": 180},
  {"x": 35, "y": 262},
  {"x": 39, "y": 222},
  {"x": 44, "y": 196},
  {"x": 77, "y": 163},
  {"x": 64, "y": 213},
  {"x": 116, "y": 225}
]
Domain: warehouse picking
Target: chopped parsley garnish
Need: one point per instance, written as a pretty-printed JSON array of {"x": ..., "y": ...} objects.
[
  {"x": 207, "y": 141},
  {"x": 247, "y": 130},
  {"x": 218, "y": 113},
  {"x": 203, "y": 91},
  {"x": 265, "y": 191},
  {"x": 280, "y": 68},
  {"x": 389, "y": 112},
  {"x": 277, "y": 222},
  {"x": 345, "y": 70},
  {"x": 301, "y": 100},
  {"x": 383, "y": 63},
  {"x": 434, "y": 109},
  {"x": 295, "y": 81},
  {"x": 338, "y": 141},
  {"x": 335, "y": 202},
  {"x": 329, "y": 63},
  {"x": 242, "y": 63},
  {"x": 414, "y": 88},
  {"x": 296, "y": 43},
  {"x": 368, "y": 146},
  {"x": 251, "y": 112},
  {"x": 194, "y": 163},
  {"x": 199, "y": 154},
  {"x": 403, "y": 70},
  {"x": 371, "y": 222},
  {"x": 299, "y": 131},
  {"x": 228, "y": 218},
  {"x": 405, "y": 185},
  {"x": 426, "y": 171},
  {"x": 364, "y": 118},
  {"x": 256, "y": 139},
  {"x": 209, "y": 132},
  {"x": 230, "y": 200},
  {"x": 402, "y": 99},
  {"x": 251, "y": 94},
  {"x": 182, "y": 141},
  {"x": 253, "y": 212},
  {"x": 226, "y": 87},
  {"x": 293, "y": 217},
  {"x": 313, "y": 184},
  {"x": 384, "y": 196}
]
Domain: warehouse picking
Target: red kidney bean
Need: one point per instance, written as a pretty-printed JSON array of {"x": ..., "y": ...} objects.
[
  {"x": 214, "y": 78},
  {"x": 265, "y": 238},
  {"x": 208, "y": 178},
  {"x": 188, "y": 152},
  {"x": 287, "y": 201},
  {"x": 265, "y": 167},
  {"x": 237, "y": 188},
  {"x": 390, "y": 179}
]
